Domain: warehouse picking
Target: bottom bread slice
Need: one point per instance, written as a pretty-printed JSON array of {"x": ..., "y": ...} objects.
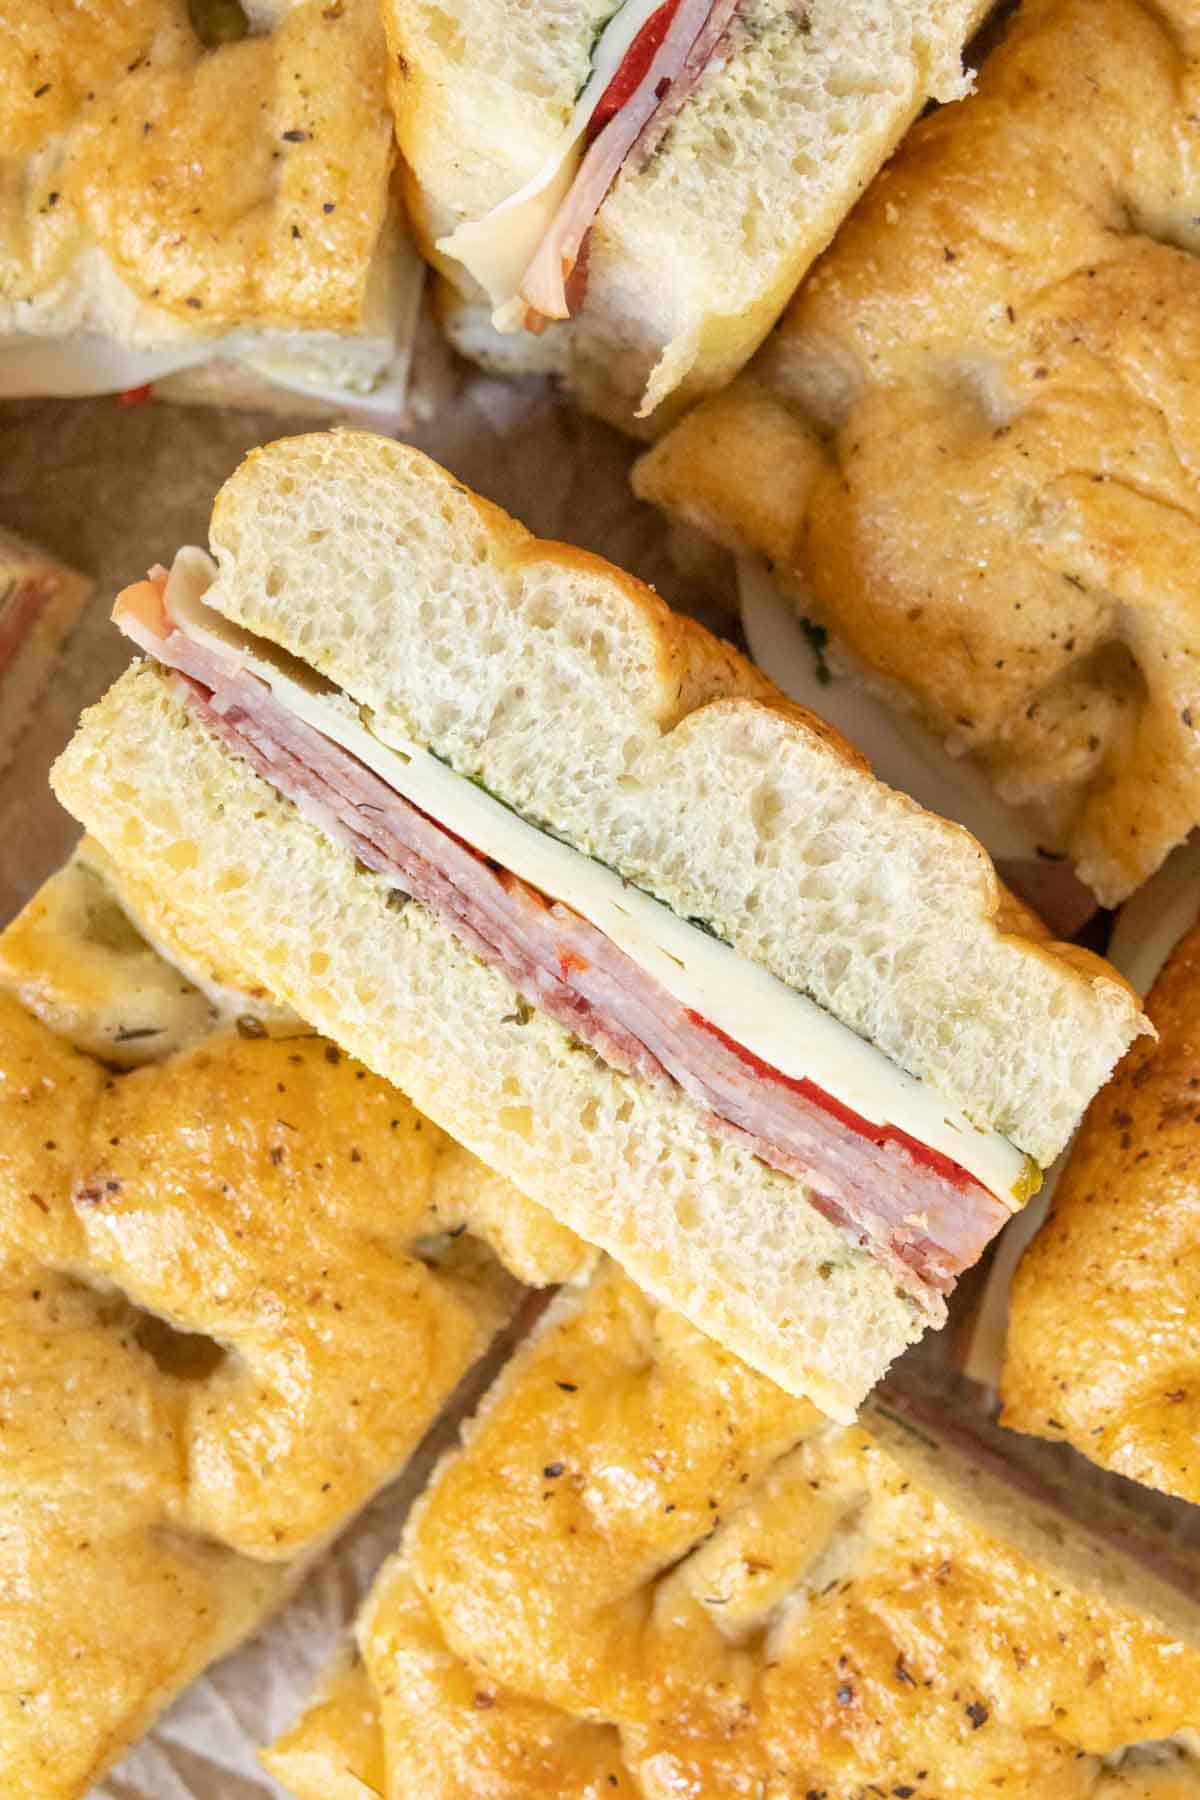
[
  {"x": 731, "y": 1244},
  {"x": 647, "y": 1573}
]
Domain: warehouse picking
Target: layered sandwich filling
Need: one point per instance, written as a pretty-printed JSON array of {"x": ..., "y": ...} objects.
[
  {"x": 646, "y": 62},
  {"x": 654, "y": 996}
]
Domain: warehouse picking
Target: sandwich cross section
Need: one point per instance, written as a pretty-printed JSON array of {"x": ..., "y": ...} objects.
[{"x": 301, "y": 761}]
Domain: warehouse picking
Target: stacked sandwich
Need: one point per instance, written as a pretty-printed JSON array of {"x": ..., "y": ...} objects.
[{"x": 574, "y": 876}]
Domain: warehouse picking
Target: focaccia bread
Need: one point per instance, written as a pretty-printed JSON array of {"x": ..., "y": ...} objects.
[
  {"x": 714, "y": 213},
  {"x": 181, "y": 182},
  {"x": 116, "y": 978},
  {"x": 648, "y": 1573},
  {"x": 236, "y": 1285},
  {"x": 1103, "y": 1345},
  {"x": 970, "y": 448}
]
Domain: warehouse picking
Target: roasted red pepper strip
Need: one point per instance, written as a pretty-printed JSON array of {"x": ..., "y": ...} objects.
[
  {"x": 944, "y": 1165},
  {"x": 637, "y": 60}
]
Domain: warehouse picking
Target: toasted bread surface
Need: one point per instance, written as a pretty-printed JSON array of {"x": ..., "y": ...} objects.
[{"x": 1103, "y": 1346}]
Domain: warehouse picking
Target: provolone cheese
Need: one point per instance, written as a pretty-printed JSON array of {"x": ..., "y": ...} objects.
[
  {"x": 745, "y": 1001},
  {"x": 498, "y": 248},
  {"x": 80, "y": 363}
]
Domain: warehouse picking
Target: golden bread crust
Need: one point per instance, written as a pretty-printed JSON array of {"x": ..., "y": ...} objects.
[
  {"x": 247, "y": 184},
  {"x": 216, "y": 1340},
  {"x": 1015, "y": 303},
  {"x": 1103, "y": 1344},
  {"x": 641, "y": 1535}
]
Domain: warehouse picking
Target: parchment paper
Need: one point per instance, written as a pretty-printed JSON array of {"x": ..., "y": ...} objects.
[{"x": 112, "y": 490}]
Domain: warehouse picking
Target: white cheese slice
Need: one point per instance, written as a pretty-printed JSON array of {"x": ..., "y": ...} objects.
[
  {"x": 745, "y": 1001},
  {"x": 78, "y": 363},
  {"x": 901, "y": 751},
  {"x": 498, "y": 248},
  {"x": 82, "y": 364}
]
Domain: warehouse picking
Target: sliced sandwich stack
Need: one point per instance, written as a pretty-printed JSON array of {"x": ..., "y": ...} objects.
[{"x": 647, "y": 938}]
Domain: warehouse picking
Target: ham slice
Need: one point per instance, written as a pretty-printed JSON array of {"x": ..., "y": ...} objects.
[
  {"x": 920, "y": 1214},
  {"x": 695, "y": 33}
]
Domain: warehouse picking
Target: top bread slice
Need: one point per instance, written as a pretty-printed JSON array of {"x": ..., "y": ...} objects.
[
  {"x": 577, "y": 697},
  {"x": 645, "y": 1575},
  {"x": 696, "y": 251}
]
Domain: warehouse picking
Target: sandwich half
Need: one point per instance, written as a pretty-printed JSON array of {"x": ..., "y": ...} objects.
[
  {"x": 201, "y": 197},
  {"x": 648, "y": 938},
  {"x": 629, "y": 190}
]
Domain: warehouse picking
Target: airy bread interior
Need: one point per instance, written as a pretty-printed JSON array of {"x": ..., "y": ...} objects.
[
  {"x": 696, "y": 251},
  {"x": 578, "y": 698}
]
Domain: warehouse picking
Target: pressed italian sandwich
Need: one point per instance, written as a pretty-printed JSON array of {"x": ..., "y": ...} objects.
[
  {"x": 215, "y": 1343},
  {"x": 629, "y": 190},
  {"x": 646, "y": 937}
]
